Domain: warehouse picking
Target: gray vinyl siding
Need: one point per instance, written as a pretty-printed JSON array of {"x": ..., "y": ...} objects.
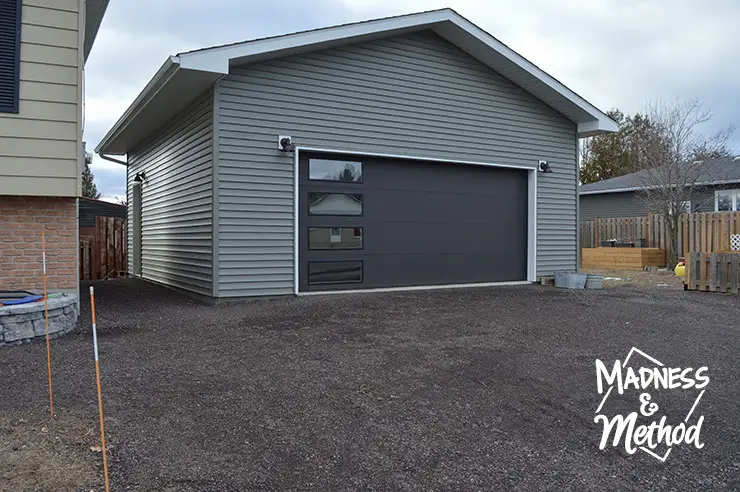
[
  {"x": 177, "y": 200},
  {"x": 415, "y": 95},
  {"x": 629, "y": 204},
  {"x": 608, "y": 205},
  {"x": 703, "y": 200}
]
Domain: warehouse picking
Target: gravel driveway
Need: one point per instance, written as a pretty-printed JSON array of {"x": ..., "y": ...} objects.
[{"x": 470, "y": 389}]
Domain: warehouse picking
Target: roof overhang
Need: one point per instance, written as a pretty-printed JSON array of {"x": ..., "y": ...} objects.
[
  {"x": 94, "y": 13},
  {"x": 640, "y": 188},
  {"x": 183, "y": 77}
]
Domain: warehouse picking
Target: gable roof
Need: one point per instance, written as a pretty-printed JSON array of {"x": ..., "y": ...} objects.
[
  {"x": 713, "y": 172},
  {"x": 186, "y": 75}
]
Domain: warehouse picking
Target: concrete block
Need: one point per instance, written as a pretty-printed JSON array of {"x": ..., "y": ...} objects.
[
  {"x": 18, "y": 331},
  {"x": 17, "y": 318},
  {"x": 39, "y": 327}
]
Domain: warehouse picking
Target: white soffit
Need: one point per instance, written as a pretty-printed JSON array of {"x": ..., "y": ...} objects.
[{"x": 187, "y": 75}]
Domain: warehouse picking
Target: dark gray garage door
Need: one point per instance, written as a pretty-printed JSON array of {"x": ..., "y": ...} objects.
[{"x": 366, "y": 222}]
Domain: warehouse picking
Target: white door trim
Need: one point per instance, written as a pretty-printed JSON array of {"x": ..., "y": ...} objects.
[{"x": 531, "y": 203}]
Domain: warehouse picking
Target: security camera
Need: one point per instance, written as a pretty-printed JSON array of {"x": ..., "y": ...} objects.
[{"x": 544, "y": 167}]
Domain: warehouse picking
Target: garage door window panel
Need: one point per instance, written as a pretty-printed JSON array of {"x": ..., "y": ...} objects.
[
  {"x": 334, "y": 238},
  {"x": 349, "y": 204},
  {"x": 335, "y": 170}
]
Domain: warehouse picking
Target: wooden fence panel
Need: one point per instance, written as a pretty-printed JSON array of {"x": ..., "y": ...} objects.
[
  {"x": 713, "y": 272},
  {"x": 708, "y": 232},
  {"x": 103, "y": 255}
]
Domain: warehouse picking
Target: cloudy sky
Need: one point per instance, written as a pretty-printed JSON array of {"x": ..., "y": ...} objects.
[{"x": 615, "y": 53}]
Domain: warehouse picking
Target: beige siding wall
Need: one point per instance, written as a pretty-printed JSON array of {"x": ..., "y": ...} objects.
[{"x": 40, "y": 147}]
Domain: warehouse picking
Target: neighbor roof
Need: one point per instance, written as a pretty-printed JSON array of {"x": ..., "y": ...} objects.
[
  {"x": 713, "y": 172},
  {"x": 184, "y": 76}
]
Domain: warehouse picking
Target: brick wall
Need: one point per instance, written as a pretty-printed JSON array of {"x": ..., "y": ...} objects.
[{"x": 22, "y": 218}]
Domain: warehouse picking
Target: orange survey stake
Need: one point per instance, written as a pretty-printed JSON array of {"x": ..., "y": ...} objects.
[
  {"x": 46, "y": 315},
  {"x": 100, "y": 397}
]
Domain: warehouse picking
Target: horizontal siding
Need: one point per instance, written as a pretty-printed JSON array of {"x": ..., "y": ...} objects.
[
  {"x": 412, "y": 95},
  {"x": 48, "y": 17},
  {"x": 48, "y": 124},
  {"x": 608, "y": 205},
  {"x": 38, "y": 186},
  {"x": 177, "y": 200},
  {"x": 703, "y": 200},
  {"x": 629, "y": 204},
  {"x": 48, "y": 168},
  {"x": 55, "y": 5},
  {"x": 42, "y": 148}
]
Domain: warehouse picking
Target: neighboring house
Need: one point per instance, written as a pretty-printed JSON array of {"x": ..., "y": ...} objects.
[
  {"x": 423, "y": 131},
  {"x": 90, "y": 210},
  {"x": 717, "y": 189},
  {"x": 43, "y": 48}
]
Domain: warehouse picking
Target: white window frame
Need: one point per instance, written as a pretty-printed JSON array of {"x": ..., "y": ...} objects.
[{"x": 733, "y": 193}]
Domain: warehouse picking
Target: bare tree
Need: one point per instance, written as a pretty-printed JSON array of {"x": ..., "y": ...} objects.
[{"x": 667, "y": 154}]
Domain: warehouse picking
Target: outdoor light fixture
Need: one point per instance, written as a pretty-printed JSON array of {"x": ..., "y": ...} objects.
[
  {"x": 544, "y": 167},
  {"x": 285, "y": 144},
  {"x": 140, "y": 177}
]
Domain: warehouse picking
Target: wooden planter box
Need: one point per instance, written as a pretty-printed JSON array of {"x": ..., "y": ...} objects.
[{"x": 622, "y": 258}]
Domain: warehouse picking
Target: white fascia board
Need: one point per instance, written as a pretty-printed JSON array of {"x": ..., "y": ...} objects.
[
  {"x": 615, "y": 190},
  {"x": 168, "y": 69},
  {"x": 597, "y": 127}
]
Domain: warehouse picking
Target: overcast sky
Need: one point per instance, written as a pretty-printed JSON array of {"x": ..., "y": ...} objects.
[{"x": 615, "y": 53}]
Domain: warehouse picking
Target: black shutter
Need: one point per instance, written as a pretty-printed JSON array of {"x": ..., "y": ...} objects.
[{"x": 10, "y": 54}]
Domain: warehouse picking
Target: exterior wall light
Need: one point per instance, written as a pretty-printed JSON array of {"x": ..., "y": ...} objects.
[
  {"x": 285, "y": 144},
  {"x": 544, "y": 167}
]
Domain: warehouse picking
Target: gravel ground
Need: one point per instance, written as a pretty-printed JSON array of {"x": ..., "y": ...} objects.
[
  {"x": 471, "y": 389},
  {"x": 663, "y": 279}
]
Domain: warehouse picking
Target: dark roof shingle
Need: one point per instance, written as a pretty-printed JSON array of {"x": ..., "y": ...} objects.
[{"x": 715, "y": 171}]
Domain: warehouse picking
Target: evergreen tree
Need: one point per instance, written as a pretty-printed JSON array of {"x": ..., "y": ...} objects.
[
  {"x": 89, "y": 190},
  {"x": 606, "y": 156}
]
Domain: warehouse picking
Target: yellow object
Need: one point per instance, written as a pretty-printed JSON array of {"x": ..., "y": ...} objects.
[{"x": 680, "y": 269}]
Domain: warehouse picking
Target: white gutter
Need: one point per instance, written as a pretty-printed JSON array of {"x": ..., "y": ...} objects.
[
  {"x": 640, "y": 188},
  {"x": 111, "y": 159}
]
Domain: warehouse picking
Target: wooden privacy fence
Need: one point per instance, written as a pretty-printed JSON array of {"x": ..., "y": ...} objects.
[
  {"x": 651, "y": 229},
  {"x": 707, "y": 232},
  {"x": 103, "y": 254},
  {"x": 714, "y": 272}
]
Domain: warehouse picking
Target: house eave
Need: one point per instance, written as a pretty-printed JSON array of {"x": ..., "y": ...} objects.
[
  {"x": 94, "y": 13},
  {"x": 168, "y": 92},
  {"x": 639, "y": 188}
]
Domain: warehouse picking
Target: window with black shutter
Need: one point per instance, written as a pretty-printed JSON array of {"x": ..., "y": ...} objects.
[{"x": 10, "y": 53}]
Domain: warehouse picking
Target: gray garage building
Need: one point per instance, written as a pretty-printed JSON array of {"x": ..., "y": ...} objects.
[{"x": 410, "y": 151}]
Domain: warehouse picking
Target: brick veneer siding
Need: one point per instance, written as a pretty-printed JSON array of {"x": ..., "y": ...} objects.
[{"x": 22, "y": 218}]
